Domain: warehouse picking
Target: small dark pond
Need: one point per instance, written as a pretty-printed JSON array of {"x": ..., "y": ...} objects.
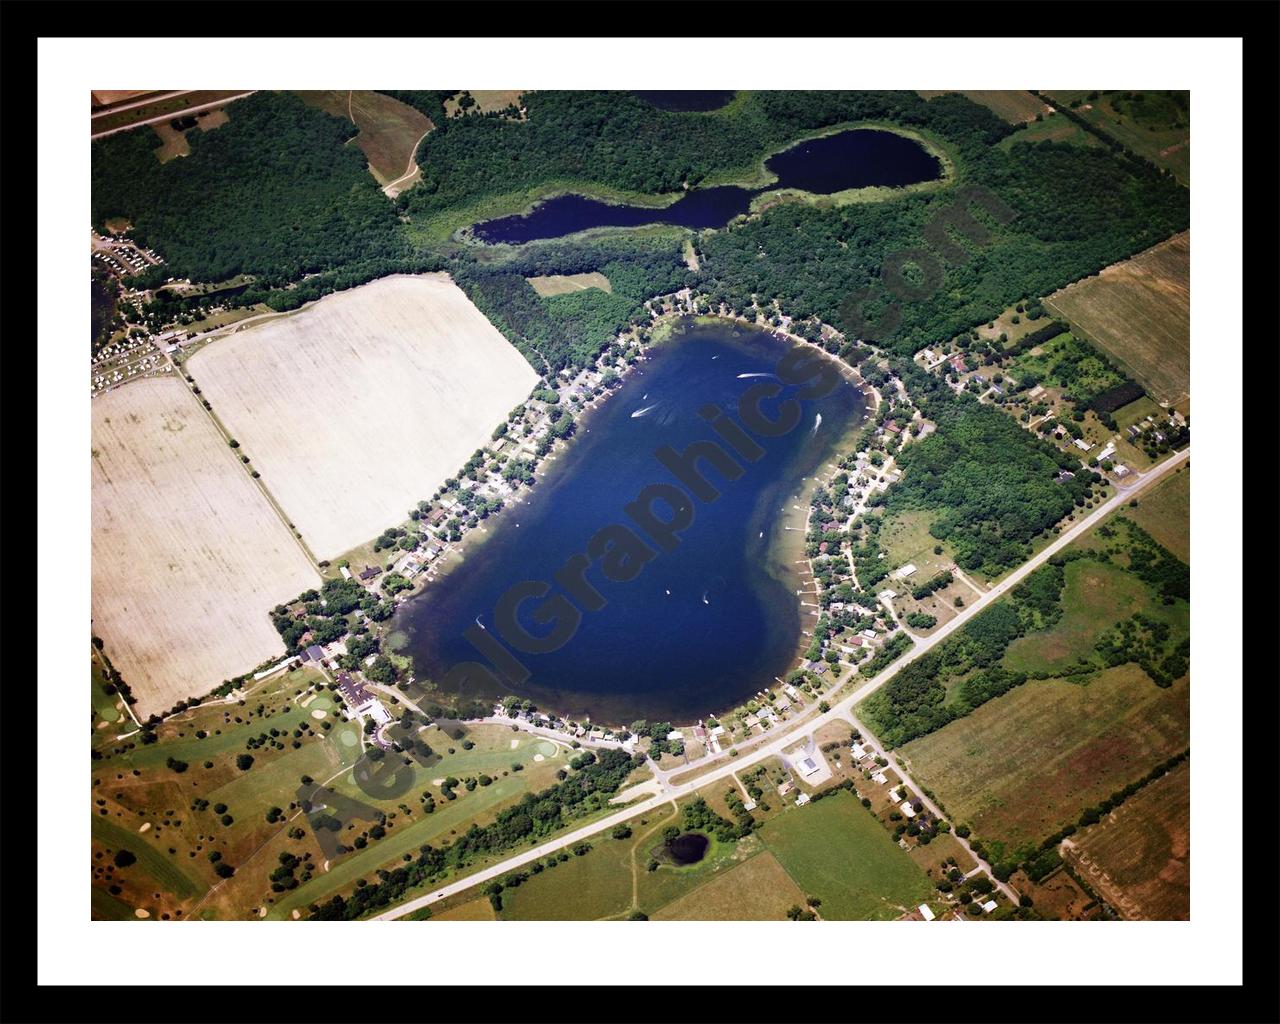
[
  {"x": 688, "y": 848},
  {"x": 688, "y": 99}
]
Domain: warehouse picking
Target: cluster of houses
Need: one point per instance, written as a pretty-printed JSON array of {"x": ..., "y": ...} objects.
[{"x": 122, "y": 361}]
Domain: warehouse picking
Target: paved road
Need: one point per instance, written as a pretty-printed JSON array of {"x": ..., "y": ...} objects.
[
  {"x": 841, "y": 711},
  {"x": 199, "y": 108}
]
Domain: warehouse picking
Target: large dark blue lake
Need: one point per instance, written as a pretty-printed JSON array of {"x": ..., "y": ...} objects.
[
  {"x": 702, "y": 626},
  {"x": 833, "y": 163}
]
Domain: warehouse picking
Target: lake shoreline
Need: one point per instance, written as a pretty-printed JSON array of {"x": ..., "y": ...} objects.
[{"x": 784, "y": 553}]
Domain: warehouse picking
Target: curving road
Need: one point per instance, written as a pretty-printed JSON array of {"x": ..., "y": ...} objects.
[{"x": 842, "y": 711}]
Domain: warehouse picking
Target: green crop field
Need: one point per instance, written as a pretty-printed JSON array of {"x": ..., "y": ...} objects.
[
  {"x": 1165, "y": 512},
  {"x": 836, "y": 850}
]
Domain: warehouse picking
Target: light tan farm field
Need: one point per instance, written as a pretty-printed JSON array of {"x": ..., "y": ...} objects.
[
  {"x": 487, "y": 100},
  {"x": 1139, "y": 312},
  {"x": 389, "y": 130},
  {"x": 1026, "y": 763},
  {"x": 188, "y": 556},
  {"x": 1013, "y": 105},
  {"x": 1138, "y": 858},
  {"x": 173, "y": 143},
  {"x": 359, "y": 406},
  {"x": 563, "y": 284}
]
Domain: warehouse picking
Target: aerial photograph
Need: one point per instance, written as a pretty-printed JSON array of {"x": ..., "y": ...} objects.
[{"x": 607, "y": 505}]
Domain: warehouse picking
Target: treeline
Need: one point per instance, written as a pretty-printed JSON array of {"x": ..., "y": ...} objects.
[
  {"x": 1078, "y": 210},
  {"x": 1039, "y": 862},
  {"x": 1155, "y": 565},
  {"x": 619, "y": 140},
  {"x": 534, "y": 816},
  {"x": 915, "y": 702},
  {"x": 1037, "y": 337},
  {"x": 275, "y": 192}
]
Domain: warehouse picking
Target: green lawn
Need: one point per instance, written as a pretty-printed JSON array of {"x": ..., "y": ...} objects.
[
  {"x": 152, "y": 862},
  {"x": 757, "y": 890},
  {"x": 1095, "y": 598},
  {"x": 104, "y": 704},
  {"x": 836, "y": 850}
]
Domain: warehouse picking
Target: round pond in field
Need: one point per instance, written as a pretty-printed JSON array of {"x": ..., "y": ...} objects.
[{"x": 686, "y": 848}]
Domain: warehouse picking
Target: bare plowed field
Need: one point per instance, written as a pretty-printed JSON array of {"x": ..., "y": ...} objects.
[
  {"x": 1138, "y": 858},
  {"x": 358, "y": 407},
  {"x": 188, "y": 557},
  {"x": 1139, "y": 311}
]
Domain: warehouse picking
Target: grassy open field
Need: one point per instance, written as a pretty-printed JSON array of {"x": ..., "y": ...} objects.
[
  {"x": 1138, "y": 858},
  {"x": 836, "y": 850},
  {"x": 757, "y": 890},
  {"x": 1139, "y": 313},
  {"x": 1151, "y": 123},
  {"x": 360, "y": 406},
  {"x": 563, "y": 284},
  {"x": 491, "y": 754},
  {"x": 1054, "y": 128},
  {"x": 1095, "y": 598},
  {"x": 188, "y": 558},
  {"x": 1026, "y": 763},
  {"x": 487, "y": 100},
  {"x": 1165, "y": 512},
  {"x": 1013, "y": 105},
  {"x": 389, "y": 130}
]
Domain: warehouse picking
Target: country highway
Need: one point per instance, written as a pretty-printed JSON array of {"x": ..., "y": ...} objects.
[{"x": 840, "y": 711}]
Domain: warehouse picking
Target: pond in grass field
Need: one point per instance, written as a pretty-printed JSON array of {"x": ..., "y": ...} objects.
[
  {"x": 699, "y": 626},
  {"x": 687, "y": 848},
  {"x": 852, "y": 159}
]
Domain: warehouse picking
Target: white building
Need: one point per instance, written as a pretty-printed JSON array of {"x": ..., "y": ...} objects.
[{"x": 925, "y": 912}]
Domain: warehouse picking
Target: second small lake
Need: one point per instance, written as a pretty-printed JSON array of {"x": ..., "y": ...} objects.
[{"x": 858, "y": 158}]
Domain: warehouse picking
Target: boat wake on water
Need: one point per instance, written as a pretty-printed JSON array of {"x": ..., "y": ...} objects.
[
  {"x": 640, "y": 412},
  {"x": 816, "y": 424}
]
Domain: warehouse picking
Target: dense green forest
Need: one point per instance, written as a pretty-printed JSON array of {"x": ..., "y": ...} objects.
[
  {"x": 279, "y": 194},
  {"x": 570, "y": 330},
  {"x": 275, "y": 192},
  {"x": 618, "y": 140},
  {"x": 1078, "y": 210},
  {"x": 992, "y": 484}
]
